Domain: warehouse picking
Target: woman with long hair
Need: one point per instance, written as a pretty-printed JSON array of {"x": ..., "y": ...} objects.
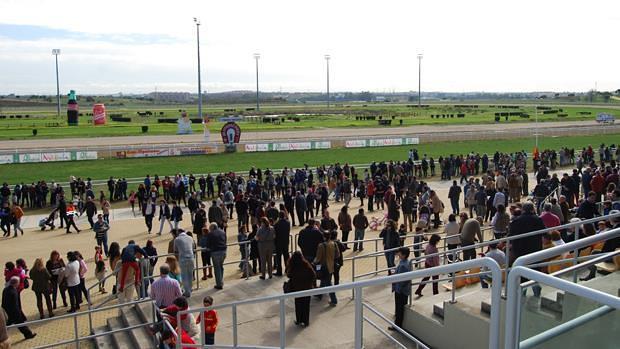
[
  {"x": 114, "y": 256},
  {"x": 175, "y": 270},
  {"x": 56, "y": 266},
  {"x": 41, "y": 285},
  {"x": 301, "y": 277}
]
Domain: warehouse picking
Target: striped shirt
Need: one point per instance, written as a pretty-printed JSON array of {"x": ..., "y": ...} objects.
[{"x": 165, "y": 290}]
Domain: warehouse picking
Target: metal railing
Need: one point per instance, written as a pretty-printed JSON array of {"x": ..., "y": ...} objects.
[
  {"x": 74, "y": 316},
  {"x": 513, "y": 294},
  {"x": 357, "y": 287}
]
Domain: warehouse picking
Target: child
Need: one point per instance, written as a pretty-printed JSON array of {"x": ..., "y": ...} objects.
[
  {"x": 210, "y": 320},
  {"x": 244, "y": 248},
  {"x": 401, "y": 289},
  {"x": 100, "y": 270},
  {"x": 98, "y": 254},
  {"x": 429, "y": 262}
]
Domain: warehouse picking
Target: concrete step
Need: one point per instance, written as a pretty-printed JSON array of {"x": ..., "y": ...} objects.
[
  {"x": 553, "y": 302},
  {"x": 140, "y": 337},
  {"x": 145, "y": 311},
  {"x": 103, "y": 342},
  {"x": 438, "y": 310},
  {"x": 122, "y": 340}
]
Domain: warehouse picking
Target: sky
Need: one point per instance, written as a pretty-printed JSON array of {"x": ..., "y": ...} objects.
[{"x": 141, "y": 46}]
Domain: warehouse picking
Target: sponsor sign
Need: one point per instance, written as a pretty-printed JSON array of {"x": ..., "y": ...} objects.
[
  {"x": 6, "y": 159},
  {"x": 26, "y": 158},
  {"x": 384, "y": 142},
  {"x": 286, "y": 146},
  {"x": 231, "y": 133},
  {"x": 85, "y": 155},
  {"x": 61, "y": 156}
]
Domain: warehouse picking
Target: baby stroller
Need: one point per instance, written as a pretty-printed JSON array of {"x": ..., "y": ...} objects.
[
  {"x": 376, "y": 223},
  {"x": 48, "y": 221}
]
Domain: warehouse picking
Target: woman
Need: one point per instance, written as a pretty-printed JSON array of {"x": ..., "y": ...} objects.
[
  {"x": 12, "y": 270},
  {"x": 500, "y": 222},
  {"x": 56, "y": 267},
  {"x": 41, "y": 285},
  {"x": 344, "y": 222},
  {"x": 72, "y": 274},
  {"x": 453, "y": 236},
  {"x": 301, "y": 277},
  {"x": 175, "y": 270},
  {"x": 265, "y": 237},
  {"x": 437, "y": 205},
  {"x": 83, "y": 270},
  {"x": 16, "y": 216},
  {"x": 132, "y": 202},
  {"x": 429, "y": 262},
  {"x": 114, "y": 256},
  {"x": 391, "y": 240}
]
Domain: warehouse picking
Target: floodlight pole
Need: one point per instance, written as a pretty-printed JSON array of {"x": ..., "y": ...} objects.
[
  {"x": 197, "y": 21},
  {"x": 256, "y": 57},
  {"x": 56, "y": 52},
  {"x": 419, "y": 81},
  {"x": 327, "y": 58}
]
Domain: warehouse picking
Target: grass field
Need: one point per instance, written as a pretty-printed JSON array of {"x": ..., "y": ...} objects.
[
  {"x": 101, "y": 169},
  {"x": 49, "y": 126}
]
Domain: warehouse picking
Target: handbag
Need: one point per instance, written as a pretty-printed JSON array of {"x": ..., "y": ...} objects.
[{"x": 286, "y": 287}]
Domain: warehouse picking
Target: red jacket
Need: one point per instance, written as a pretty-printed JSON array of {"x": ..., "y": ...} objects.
[
  {"x": 210, "y": 322},
  {"x": 597, "y": 183}
]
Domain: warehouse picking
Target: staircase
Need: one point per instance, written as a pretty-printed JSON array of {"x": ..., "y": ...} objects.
[{"x": 138, "y": 337}]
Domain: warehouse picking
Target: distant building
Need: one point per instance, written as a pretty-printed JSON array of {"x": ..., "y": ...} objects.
[{"x": 176, "y": 97}]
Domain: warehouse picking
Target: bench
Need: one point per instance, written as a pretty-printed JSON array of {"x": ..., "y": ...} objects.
[{"x": 385, "y": 122}]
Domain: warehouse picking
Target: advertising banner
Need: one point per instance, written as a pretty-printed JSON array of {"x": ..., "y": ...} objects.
[
  {"x": 27, "y": 158},
  {"x": 85, "y": 155},
  {"x": 6, "y": 159},
  {"x": 384, "y": 142},
  {"x": 51, "y": 157},
  {"x": 286, "y": 146}
]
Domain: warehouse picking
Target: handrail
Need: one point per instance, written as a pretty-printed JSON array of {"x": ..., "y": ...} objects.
[
  {"x": 417, "y": 342},
  {"x": 357, "y": 286},
  {"x": 553, "y": 332},
  {"x": 513, "y": 297},
  {"x": 88, "y": 312}
]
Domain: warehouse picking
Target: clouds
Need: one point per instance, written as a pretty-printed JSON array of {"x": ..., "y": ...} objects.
[{"x": 133, "y": 46}]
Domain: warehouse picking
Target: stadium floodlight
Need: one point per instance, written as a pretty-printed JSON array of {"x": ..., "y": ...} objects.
[
  {"x": 56, "y": 52},
  {"x": 197, "y": 21},
  {"x": 256, "y": 58},
  {"x": 327, "y": 58}
]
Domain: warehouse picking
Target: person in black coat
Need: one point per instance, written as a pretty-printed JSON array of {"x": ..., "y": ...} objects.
[
  {"x": 309, "y": 240},
  {"x": 300, "y": 208},
  {"x": 289, "y": 204},
  {"x": 200, "y": 220},
  {"x": 283, "y": 232},
  {"x": 527, "y": 222},
  {"x": 12, "y": 304},
  {"x": 62, "y": 211},
  {"x": 91, "y": 211}
]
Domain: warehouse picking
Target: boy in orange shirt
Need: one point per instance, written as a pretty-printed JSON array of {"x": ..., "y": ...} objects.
[{"x": 210, "y": 321}]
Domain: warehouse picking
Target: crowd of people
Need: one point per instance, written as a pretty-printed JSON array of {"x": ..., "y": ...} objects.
[{"x": 266, "y": 204}]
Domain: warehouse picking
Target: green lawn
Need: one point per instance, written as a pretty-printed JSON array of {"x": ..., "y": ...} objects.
[
  {"x": 340, "y": 116},
  {"x": 101, "y": 169}
]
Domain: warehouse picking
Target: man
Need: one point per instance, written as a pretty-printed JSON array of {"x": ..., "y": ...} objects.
[
  {"x": 128, "y": 260},
  {"x": 282, "y": 230},
  {"x": 101, "y": 233},
  {"x": 11, "y": 303},
  {"x": 402, "y": 289},
  {"x": 360, "y": 223},
  {"x": 289, "y": 204},
  {"x": 498, "y": 256},
  {"x": 454, "y": 195},
  {"x": 215, "y": 214},
  {"x": 481, "y": 202},
  {"x": 309, "y": 239},
  {"x": 588, "y": 210},
  {"x": 91, "y": 211},
  {"x": 184, "y": 250},
  {"x": 216, "y": 243},
  {"x": 549, "y": 219},
  {"x": 597, "y": 184},
  {"x": 300, "y": 208},
  {"x": 525, "y": 223},
  {"x": 326, "y": 255},
  {"x": 165, "y": 289},
  {"x": 470, "y": 231}
]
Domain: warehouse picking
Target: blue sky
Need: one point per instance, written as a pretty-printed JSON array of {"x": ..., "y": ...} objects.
[{"x": 477, "y": 45}]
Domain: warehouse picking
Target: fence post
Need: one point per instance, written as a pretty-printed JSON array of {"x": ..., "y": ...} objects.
[
  {"x": 90, "y": 317},
  {"x": 282, "y": 324},
  {"x": 247, "y": 262},
  {"x": 75, "y": 328},
  {"x": 353, "y": 275},
  {"x": 359, "y": 319},
  {"x": 575, "y": 254},
  {"x": 197, "y": 269},
  {"x": 376, "y": 256},
  {"x": 234, "y": 327}
]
